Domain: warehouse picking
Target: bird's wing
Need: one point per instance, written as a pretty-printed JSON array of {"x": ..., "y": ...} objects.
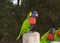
[
  {"x": 43, "y": 38},
  {"x": 44, "y": 41},
  {"x": 25, "y": 27}
]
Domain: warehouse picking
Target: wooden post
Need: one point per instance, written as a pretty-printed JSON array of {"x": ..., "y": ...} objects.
[{"x": 31, "y": 37}]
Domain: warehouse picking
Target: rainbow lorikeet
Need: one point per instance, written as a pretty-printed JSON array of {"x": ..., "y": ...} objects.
[
  {"x": 57, "y": 35},
  {"x": 28, "y": 23},
  {"x": 48, "y": 37}
]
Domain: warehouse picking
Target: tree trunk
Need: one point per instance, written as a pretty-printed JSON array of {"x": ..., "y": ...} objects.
[{"x": 18, "y": 2}]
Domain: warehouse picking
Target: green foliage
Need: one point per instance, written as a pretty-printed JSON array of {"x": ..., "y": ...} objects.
[{"x": 7, "y": 20}]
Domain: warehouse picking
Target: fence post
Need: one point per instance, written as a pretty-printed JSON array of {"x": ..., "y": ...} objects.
[{"x": 31, "y": 37}]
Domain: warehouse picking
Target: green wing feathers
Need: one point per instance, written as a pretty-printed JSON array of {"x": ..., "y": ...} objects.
[
  {"x": 25, "y": 27},
  {"x": 43, "y": 38}
]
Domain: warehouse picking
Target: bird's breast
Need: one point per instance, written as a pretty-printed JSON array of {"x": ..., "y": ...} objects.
[{"x": 32, "y": 20}]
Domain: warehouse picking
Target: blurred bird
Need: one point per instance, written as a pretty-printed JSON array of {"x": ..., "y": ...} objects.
[
  {"x": 50, "y": 35},
  {"x": 28, "y": 23},
  {"x": 57, "y": 35}
]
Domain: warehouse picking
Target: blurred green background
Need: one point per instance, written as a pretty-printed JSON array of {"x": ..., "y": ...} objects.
[{"x": 12, "y": 17}]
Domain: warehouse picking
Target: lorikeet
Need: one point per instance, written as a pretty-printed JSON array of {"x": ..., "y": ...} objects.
[
  {"x": 32, "y": 19},
  {"x": 57, "y": 35},
  {"x": 48, "y": 37},
  {"x": 28, "y": 23}
]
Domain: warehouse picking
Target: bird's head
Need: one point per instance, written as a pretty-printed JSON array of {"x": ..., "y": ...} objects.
[
  {"x": 34, "y": 14},
  {"x": 52, "y": 30}
]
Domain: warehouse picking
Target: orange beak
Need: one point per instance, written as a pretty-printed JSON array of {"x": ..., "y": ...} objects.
[{"x": 36, "y": 15}]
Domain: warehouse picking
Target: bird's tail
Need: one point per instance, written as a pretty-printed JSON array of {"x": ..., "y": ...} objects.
[{"x": 18, "y": 36}]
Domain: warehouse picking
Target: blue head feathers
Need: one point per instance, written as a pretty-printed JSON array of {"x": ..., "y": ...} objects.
[
  {"x": 52, "y": 30},
  {"x": 34, "y": 13}
]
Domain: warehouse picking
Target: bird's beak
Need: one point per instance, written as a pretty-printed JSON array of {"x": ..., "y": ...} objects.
[{"x": 36, "y": 15}]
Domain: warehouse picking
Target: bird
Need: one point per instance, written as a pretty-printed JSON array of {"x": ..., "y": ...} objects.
[
  {"x": 48, "y": 36},
  {"x": 28, "y": 23},
  {"x": 57, "y": 35},
  {"x": 32, "y": 19}
]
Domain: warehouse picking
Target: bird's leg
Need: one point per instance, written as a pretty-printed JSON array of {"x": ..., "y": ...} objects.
[{"x": 31, "y": 27}]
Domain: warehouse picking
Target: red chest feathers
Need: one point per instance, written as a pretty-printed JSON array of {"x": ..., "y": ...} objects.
[{"x": 32, "y": 20}]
